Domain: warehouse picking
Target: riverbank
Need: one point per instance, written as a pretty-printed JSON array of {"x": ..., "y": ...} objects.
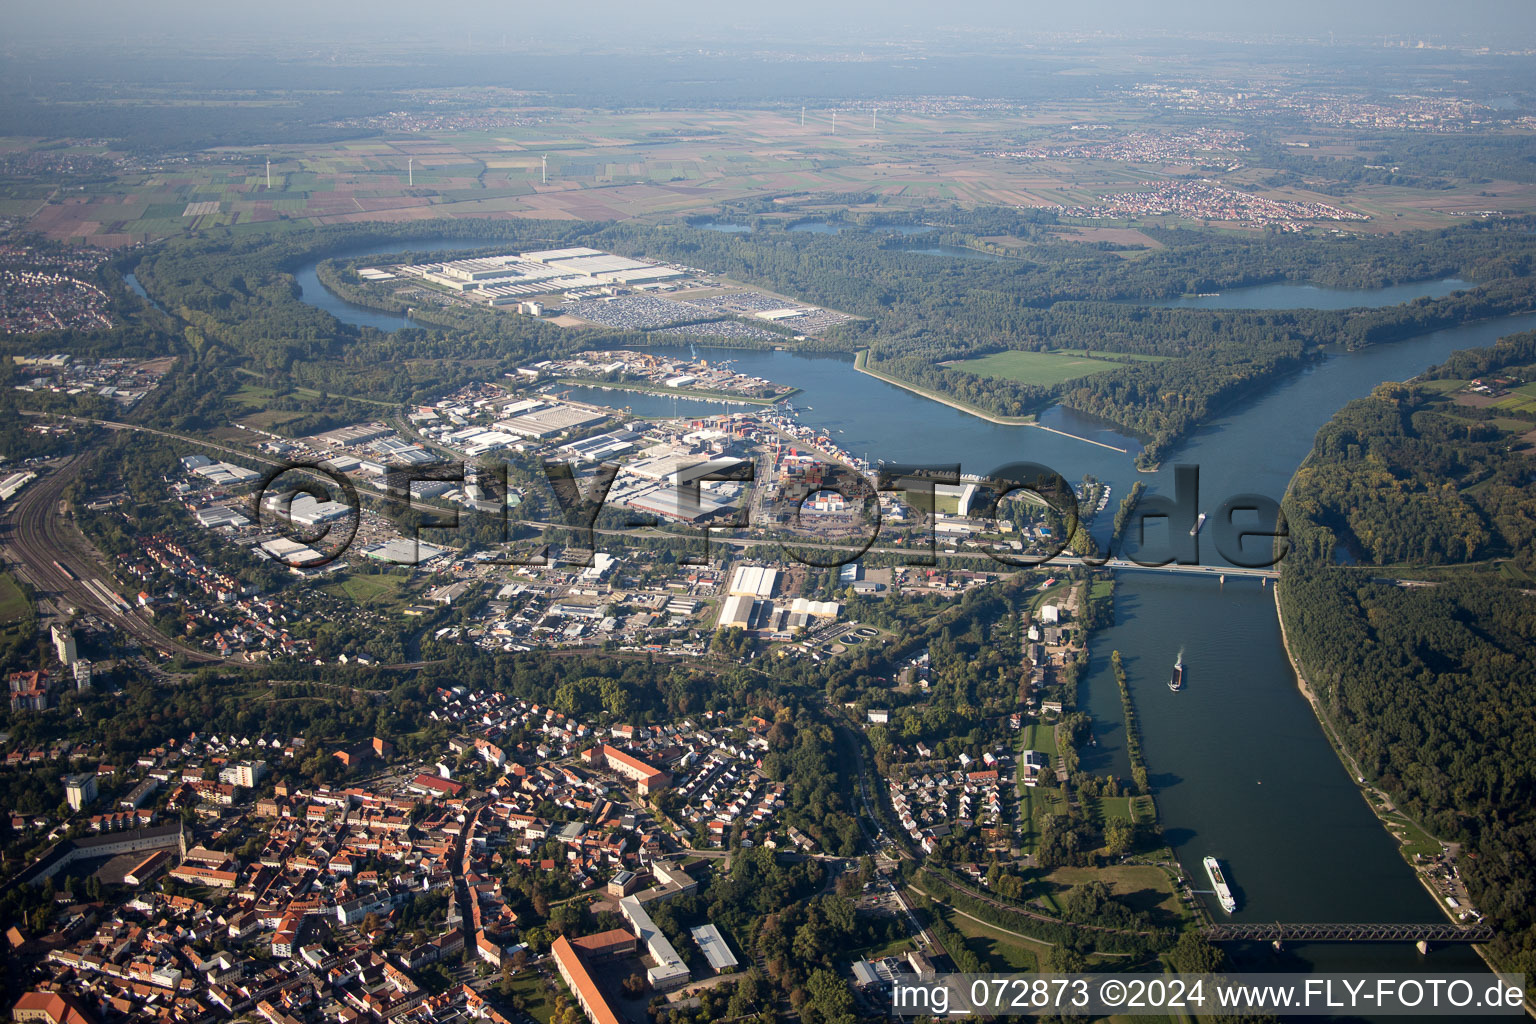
[
  {"x": 1376, "y": 799},
  {"x": 861, "y": 363},
  {"x": 327, "y": 273}
]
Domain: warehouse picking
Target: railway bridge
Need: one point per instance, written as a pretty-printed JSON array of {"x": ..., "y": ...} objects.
[{"x": 1276, "y": 932}]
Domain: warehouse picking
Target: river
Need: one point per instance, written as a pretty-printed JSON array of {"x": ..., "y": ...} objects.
[
  {"x": 1241, "y": 769},
  {"x": 1310, "y": 296},
  {"x": 132, "y": 281},
  {"x": 315, "y": 293}
]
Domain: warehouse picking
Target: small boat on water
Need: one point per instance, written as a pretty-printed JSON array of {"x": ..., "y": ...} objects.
[
  {"x": 1176, "y": 683},
  {"x": 1193, "y": 530}
]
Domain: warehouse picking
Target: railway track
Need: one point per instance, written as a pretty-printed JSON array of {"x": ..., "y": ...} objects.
[{"x": 59, "y": 562}]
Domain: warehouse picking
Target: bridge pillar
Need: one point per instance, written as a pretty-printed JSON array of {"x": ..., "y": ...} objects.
[{"x": 1422, "y": 946}]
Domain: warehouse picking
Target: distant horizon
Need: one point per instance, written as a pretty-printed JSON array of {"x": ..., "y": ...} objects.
[{"x": 669, "y": 26}]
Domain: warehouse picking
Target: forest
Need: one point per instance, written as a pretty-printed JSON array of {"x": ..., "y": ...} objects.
[{"x": 1432, "y": 684}]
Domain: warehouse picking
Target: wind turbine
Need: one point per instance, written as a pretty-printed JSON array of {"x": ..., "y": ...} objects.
[
  {"x": 269, "y": 172},
  {"x": 544, "y": 169},
  {"x": 872, "y": 115},
  {"x": 802, "y": 117},
  {"x": 410, "y": 171}
]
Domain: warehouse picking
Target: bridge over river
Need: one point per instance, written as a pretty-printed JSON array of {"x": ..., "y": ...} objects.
[{"x": 1276, "y": 932}]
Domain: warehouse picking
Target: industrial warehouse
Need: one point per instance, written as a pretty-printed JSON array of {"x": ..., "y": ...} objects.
[
  {"x": 749, "y": 604},
  {"x": 510, "y": 279},
  {"x": 680, "y": 488}
]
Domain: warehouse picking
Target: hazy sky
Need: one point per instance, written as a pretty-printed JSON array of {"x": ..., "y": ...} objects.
[{"x": 293, "y": 25}]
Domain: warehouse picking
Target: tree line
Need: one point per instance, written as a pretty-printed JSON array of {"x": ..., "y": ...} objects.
[{"x": 1431, "y": 687}]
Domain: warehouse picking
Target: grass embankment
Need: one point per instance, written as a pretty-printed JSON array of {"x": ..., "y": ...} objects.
[{"x": 996, "y": 949}]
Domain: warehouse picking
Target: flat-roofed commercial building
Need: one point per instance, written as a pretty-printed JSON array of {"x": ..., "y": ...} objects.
[
  {"x": 556, "y": 255},
  {"x": 670, "y": 971},
  {"x": 303, "y": 509},
  {"x": 602, "y": 263},
  {"x": 644, "y": 275},
  {"x": 546, "y": 422},
  {"x": 216, "y": 516},
  {"x": 674, "y": 504},
  {"x": 405, "y": 551},
  {"x": 756, "y": 580},
  {"x": 14, "y": 483},
  {"x": 346, "y": 437},
  {"x": 736, "y": 611},
  {"x": 714, "y": 947}
]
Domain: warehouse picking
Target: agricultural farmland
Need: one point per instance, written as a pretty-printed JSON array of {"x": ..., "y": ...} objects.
[{"x": 565, "y": 164}]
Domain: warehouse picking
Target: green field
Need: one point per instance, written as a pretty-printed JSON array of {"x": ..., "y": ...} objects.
[
  {"x": 1039, "y": 736},
  {"x": 1143, "y": 887},
  {"x": 1135, "y": 809},
  {"x": 1134, "y": 357},
  {"x": 1035, "y": 801},
  {"x": 1042, "y": 369},
  {"x": 1056, "y": 594},
  {"x": 367, "y": 591},
  {"x": 948, "y": 504},
  {"x": 1521, "y": 399},
  {"x": 536, "y": 1004},
  {"x": 1415, "y": 840},
  {"x": 254, "y": 395},
  {"x": 1113, "y": 807},
  {"x": 1441, "y": 387},
  {"x": 893, "y": 948},
  {"x": 14, "y": 606}
]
